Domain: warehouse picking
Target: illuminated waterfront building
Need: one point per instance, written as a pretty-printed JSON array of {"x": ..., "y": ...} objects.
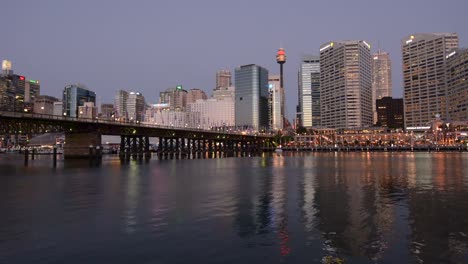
[
  {"x": 345, "y": 84},
  {"x": 381, "y": 78},
  {"x": 424, "y": 76},
  {"x": 309, "y": 92},
  {"x": 251, "y": 97},
  {"x": 457, "y": 83}
]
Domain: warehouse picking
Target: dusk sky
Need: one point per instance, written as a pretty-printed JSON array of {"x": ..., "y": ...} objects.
[{"x": 149, "y": 46}]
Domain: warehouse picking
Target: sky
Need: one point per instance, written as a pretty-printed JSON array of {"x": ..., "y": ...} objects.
[{"x": 151, "y": 45}]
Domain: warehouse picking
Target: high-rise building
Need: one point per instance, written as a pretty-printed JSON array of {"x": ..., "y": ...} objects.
[
  {"x": 345, "y": 84},
  {"x": 424, "y": 76},
  {"x": 120, "y": 104},
  {"x": 251, "y": 97},
  {"x": 223, "y": 79},
  {"x": 136, "y": 106},
  {"x": 275, "y": 119},
  {"x": 381, "y": 78},
  {"x": 6, "y": 68},
  {"x": 309, "y": 92},
  {"x": 58, "y": 108},
  {"x": 74, "y": 96},
  {"x": 390, "y": 112},
  {"x": 175, "y": 97},
  {"x": 457, "y": 83},
  {"x": 44, "y": 105},
  {"x": 195, "y": 94}
]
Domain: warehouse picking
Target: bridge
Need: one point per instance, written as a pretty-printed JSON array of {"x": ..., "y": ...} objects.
[{"x": 81, "y": 134}]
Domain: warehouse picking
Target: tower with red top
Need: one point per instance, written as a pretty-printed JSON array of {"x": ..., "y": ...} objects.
[{"x": 281, "y": 59}]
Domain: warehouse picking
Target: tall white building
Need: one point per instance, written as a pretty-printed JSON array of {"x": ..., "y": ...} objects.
[
  {"x": 309, "y": 92},
  {"x": 275, "y": 118},
  {"x": 381, "y": 79},
  {"x": 346, "y": 84}
]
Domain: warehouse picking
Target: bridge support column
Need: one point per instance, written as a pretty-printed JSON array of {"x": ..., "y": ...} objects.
[{"x": 77, "y": 144}]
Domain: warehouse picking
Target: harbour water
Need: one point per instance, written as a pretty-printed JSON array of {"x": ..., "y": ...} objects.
[{"x": 357, "y": 207}]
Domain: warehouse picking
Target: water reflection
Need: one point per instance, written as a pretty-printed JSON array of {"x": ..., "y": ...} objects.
[{"x": 292, "y": 208}]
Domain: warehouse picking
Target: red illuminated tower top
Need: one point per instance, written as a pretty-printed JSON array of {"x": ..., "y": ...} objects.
[{"x": 281, "y": 56}]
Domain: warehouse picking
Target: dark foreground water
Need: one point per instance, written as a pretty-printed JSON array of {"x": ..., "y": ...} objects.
[{"x": 302, "y": 208}]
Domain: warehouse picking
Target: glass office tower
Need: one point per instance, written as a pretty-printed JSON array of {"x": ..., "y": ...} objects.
[{"x": 251, "y": 97}]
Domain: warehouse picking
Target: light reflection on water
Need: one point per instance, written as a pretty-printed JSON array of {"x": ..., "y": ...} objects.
[{"x": 292, "y": 208}]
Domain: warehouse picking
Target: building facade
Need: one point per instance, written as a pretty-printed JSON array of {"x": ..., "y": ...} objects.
[
  {"x": 74, "y": 96},
  {"x": 223, "y": 79},
  {"x": 87, "y": 111},
  {"x": 309, "y": 92},
  {"x": 135, "y": 107},
  {"x": 457, "y": 83},
  {"x": 44, "y": 105},
  {"x": 390, "y": 112},
  {"x": 195, "y": 94},
  {"x": 212, "y": 113},
  {"x": 107, "y": 112},
  {"x": 381, "y": 79},
  {"x": 275, "y": 117},
  {"x": 345, "y": 84},
  {"x": 120, "y": 105},
  {"x": 176, "y": 98},
  {"x": 424, "y": 76},
  {"x": 251, "y": 97}
]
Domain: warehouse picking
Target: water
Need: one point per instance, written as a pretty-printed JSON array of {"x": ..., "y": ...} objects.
[{"x": 295, "y": 208}]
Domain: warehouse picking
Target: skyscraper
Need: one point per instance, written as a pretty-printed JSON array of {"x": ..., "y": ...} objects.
[
  {"x": 424, "y": 76},
  {"x": 76, "y": 95},
  {"x": 223, "y": 79},
  {"x": 381, "y": 78},
  {"x": 251, "y": 96},
  {"x": 457, "y": 74},
  {"x": 135, "y": 106},
  {"x": 345, "y": 84},
  {"x": 275, "y": 119},
  {"x": 120, "y": 104},
  {"x": 309, "y": 92}
]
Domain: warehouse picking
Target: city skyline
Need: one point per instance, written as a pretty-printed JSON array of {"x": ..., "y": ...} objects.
[{"x": 132, "y": 50}]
